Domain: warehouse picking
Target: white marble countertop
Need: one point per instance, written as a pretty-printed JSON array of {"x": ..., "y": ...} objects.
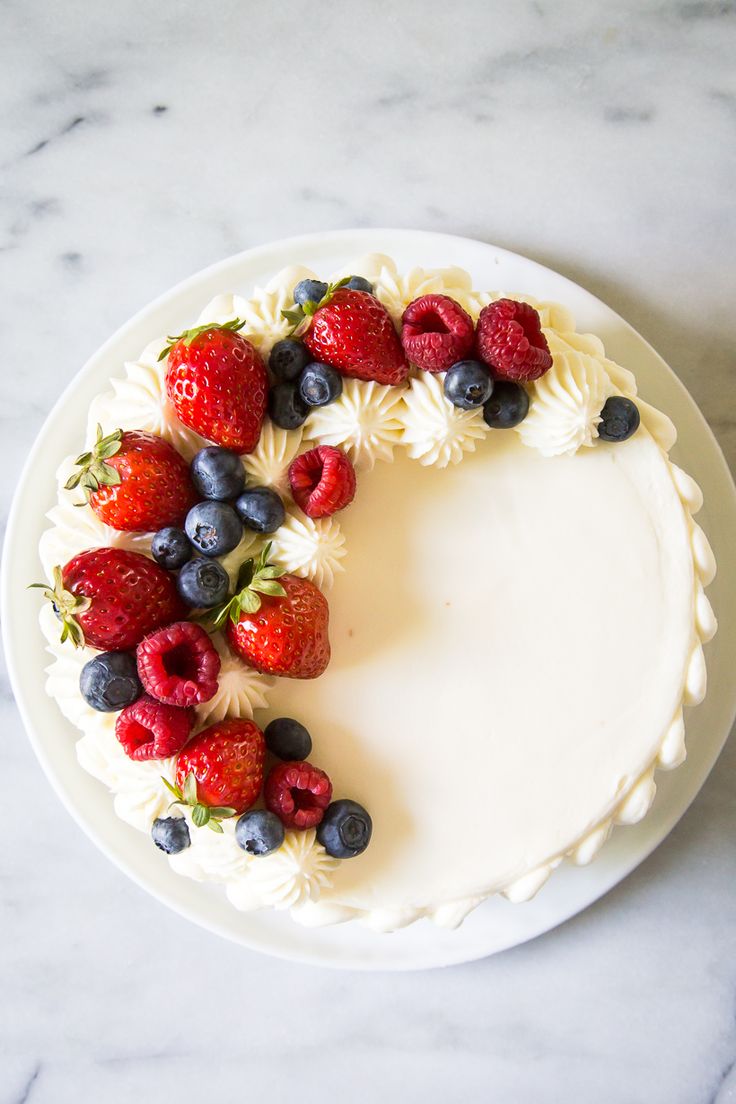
[{"x": 141, "y": 142}]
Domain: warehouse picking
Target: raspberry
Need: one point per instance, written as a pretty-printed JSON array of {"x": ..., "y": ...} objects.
[
  {"x": 148, "y": 729},
  {"x": 179, "y": 665},
  {"x": 511, "y": 342},
  {"x": 436, "y": 332},
  {"x": 322, "y": 481},
  {"x": 298, "y": 794}
]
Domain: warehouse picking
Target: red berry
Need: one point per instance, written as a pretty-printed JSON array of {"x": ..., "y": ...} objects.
[
  {"x": 227, "y": 762},
  {"x": 322, "y": 481},
  {"x": 111, "y": 598},
  {"x": 286, "y": 635},
  {"x": 436, "y": 332},
  {"x": 511, "y": 342},
  {"x": 179, "y": 665},
  {"x": 142, "y": 483},
  {"x": 298, "y": 794},
  {"x": 354, "y": 333},
  {"x": 148, "y": 729},
  {"x": 218, "y": 386}
]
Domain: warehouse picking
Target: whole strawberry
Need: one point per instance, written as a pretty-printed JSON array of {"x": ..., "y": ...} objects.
[
  {"x": 353, "y": 331},
  {"x": 134, "y": 481},
  {"x": 109, "y": 598},
  {"x": 218, "y": 385},
  {"x": 277, "y": 623},
  {"x": 220, "y": 772}
]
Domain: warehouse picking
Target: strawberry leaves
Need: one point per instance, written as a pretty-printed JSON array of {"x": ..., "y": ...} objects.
[
  {"x": 66, "y": 607},
  {"x": 188, "y": 336},
  {"x": 202, "y": 815},
  {"x": 256, "y": 577},
  {"x": 94, "y": 472}
]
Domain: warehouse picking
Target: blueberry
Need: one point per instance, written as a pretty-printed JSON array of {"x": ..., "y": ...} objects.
[
  {"x": 620, "y": 419},
  {"x": 259, "y": 832},
  {"x": 170, "y": 834},
  {"x": 110, "y": 681},
  {"x": 218, "y": 473},
  {"x": 359, "y": 283},
  {"x": 288, "y": 359},
  {"x": 203, "y": 583},
  {"x": 286, "y": 406},
  {"x": 345, "y": 829},
  {"x": 213, "y": 528},
  {"x": 309, "y": 291},
  {"x": 507, "y": 406},
  {"x": 468, "y": 385},
  {"x": 287, "y": 739},
  {"x": 170, "y": 547},
  {"x": 261, "y": 509},
  {"x": 320, "y": 384}
]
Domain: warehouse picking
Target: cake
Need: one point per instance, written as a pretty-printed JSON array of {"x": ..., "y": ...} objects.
[{"x": 516, "y": 615}]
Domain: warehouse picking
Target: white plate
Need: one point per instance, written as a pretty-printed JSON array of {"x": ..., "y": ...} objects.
[{"x": 496, "y": 924}]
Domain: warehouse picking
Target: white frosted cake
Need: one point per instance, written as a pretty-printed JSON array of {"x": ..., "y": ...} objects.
[{"x": 516, "y": 620}]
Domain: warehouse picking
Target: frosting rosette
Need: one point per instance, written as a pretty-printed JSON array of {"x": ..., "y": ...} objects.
[
  {"x": 268, "y": 464},
  {"x": 311, "y": 548},
  {"x": 566, "y": 404},
  {"x": 435, "y": 431},
  {"x": 288, "y": 878},
  {"x": 365, "y": 422},
  {"x": 261, "y": 311},
  {"x": 240, "y": 690}
]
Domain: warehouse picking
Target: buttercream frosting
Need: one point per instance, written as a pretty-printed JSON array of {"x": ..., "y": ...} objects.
[
  {"x": 289, "y": 878},
  {"x": 366, "y": 422},
  {"x": 268, "y": 464},
  {"x": 434, "y": 431},
  {"x": 566, "y": 404},
  {"x": 311, "y": 548}
]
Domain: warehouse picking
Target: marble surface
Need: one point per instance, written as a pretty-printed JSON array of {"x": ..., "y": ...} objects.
[{"x": 141, "y": 142}]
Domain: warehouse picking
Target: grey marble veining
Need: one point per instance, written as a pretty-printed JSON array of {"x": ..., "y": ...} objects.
[{"x": 140, "y": 142}]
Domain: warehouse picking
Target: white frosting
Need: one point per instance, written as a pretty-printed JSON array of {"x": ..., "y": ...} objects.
[
  {"x": 240, "y": 690},
  {"x": 140, "y": 795},
  {"x": 211, "y": 856},
  {"x": 312, "y": 549},
  {"x": 289, "y": 878},
  {"x": 268, "y": 464},
  {"x": 579, "y": 769},
  {"x": 396, "y": 290},
  {"x": 264, "y": 322},
  {"x": 366, "y": 422},
  {"x": 435, "y": 431},
  {"x": 566, "y": 404}
]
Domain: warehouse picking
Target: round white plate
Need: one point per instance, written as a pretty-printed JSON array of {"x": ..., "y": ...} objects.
[{"x": 496, "y": 924}]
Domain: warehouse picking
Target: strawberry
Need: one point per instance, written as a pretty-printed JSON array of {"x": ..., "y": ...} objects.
[
  {"x": 217, "y": 384},
  {"x": 109, "y": 598},
  {"x": 220, "y": 772},
  {"x": 277, "y": 623},
  {"x": 353, "y": 331},
  {"x": 135, "y": 481}
]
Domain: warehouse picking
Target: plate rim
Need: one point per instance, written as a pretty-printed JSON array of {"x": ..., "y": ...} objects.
[{"x": 369, "y": 240}]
